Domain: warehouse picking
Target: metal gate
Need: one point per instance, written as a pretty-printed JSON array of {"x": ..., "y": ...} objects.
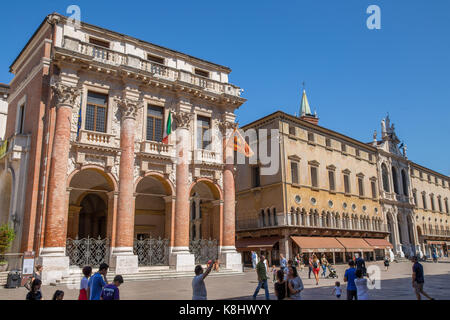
[
  {"x": 87, "y": 252},
  {"x": 204, "y": 250},
  {"x": 152, "y": 252}
]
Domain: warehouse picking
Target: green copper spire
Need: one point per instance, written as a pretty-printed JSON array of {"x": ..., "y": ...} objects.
[{"x": 305, "y": 110}]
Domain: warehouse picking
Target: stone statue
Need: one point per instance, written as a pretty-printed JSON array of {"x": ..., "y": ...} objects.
[
  {"x": 383, "y": 128},
  {"x": 405, "y": 148}
]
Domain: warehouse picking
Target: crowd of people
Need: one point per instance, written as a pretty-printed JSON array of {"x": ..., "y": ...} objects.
[{"x": 92, "y": 287}]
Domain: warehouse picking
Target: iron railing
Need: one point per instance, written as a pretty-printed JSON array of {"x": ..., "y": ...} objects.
[
  {"x": 152, "y": 252},
  {"x": 204, "y": 250},
  {"x": 87, "y": 252}
]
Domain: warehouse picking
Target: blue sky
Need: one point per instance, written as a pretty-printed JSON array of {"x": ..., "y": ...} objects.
[{"x": 353, "y": 75}]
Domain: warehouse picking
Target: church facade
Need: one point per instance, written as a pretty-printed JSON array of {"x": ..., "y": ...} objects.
[
  {"x": 114, "y": 153},
  {"x": 337, "y": 196}
]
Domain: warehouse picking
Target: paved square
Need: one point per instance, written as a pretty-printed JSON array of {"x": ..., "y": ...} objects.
[{"x": 395, "y": 285}]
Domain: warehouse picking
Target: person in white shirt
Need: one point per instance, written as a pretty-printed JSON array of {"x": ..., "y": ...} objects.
[
  {"x": 362, "y": 291},
  {"x": 337, "y": 290}
]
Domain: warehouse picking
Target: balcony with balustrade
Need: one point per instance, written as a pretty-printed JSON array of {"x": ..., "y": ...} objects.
[
  {"x": 158, "y": 72},
  {"x": 98, "y": 139},
  {"x": 157, "y": 149},
  {"x": 206, "y": 156}
]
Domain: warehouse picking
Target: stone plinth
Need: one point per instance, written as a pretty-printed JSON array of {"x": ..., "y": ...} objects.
[
  {"x": 181, "y": 259},
  {"x": 124, "y": 261},
  {"x": 55, "y": 265},
  {"x": 231, "y": 259}
]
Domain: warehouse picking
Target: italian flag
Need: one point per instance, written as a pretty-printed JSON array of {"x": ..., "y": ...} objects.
[{"x": 168, "y": 129}]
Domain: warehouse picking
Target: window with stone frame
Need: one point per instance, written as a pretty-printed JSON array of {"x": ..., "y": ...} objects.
[
  {"x": 347, "y": 183},
  {"x": 331, "y": 180},
  {"x": 440, "y": 204},
  {"x": 155, "y": 120},
  {"x": 415, "y": 198},
  {"x": 432, "y": 202},
  {"x": 20, "y": 119},
  {"x": 294, "y": 172},
  {"x": 373, "y": 185},
  {"x": 343, "y": 147},
  {"x": 96, "y": 112},
  {"x": 292, "y": 130},
  {"x": 328, "y": 142},
  {"x": 310, "y": 137},
  {"x": 424, "y": 201},
  {"x": 385, "y": 177},
  {"x": 361, "y": 186},
  {"x": 314, "y": 177},
  {"x": 201, "y": 73},
  {"x": 203, "y": 133},
  {"x": 357, "y": 153},
  {"x": 446, "y": 206}
]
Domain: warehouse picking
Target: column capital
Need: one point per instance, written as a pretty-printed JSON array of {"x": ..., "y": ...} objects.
[
  {"x": 128, "y": 107},
  {"x": 183, "y": 119},
  {"x": 168, "y": 199},
  {"x": 65, "y": 94},
  {"x": 225, "y": 125}
]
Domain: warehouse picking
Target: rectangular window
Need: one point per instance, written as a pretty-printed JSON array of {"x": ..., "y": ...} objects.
[
  {"x": 310, "y": 137},
  {"x": 440, "y": 204},
  {"x": 294, "y": 172},
  {"x": 357, "y": 153},
  {"x": 343, "y": 147},
  {"x": 446, "y": 206},
  {"x": 415, "y": 198},
  {"x": 424, "y": 201},
  {"x": 346, "y": 183},
  {"x": 420, "y": 175},
  {"x": 156, "y": 59},
  {"x": 292, "y": 130},
  {"x": 331, "y": 180},
  {"x": 374, "y": 189},
  {"x": 202, "y": 73},
  {"x": 328, "y": 142},
  {"x": 370, "y": 157},
  {"x": 21, "y": 119},
  {"x": 96, "y": 111},
  {"x": 314, "y": 181},
  {"x": 432, "y": 202},
  {"x": 203, "y": 133},
  {"x": 360, "y": 187},
  {"x": 155, "y": 116},
  {"x": 256, "y": 178}
]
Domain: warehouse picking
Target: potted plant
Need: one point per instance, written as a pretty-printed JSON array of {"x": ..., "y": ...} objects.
[{"x": 7, "y": 236}]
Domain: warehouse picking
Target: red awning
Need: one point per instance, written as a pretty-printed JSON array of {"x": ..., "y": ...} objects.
[
  {"x": 379, "y": 243},
  {"x": 355, "y": 244},
  {"x": 247, "y": 244},
  {"x": 318, "y": 244}
]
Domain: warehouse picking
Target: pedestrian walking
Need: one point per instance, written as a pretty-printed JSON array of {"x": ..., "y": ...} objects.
[
  {"x": 111, "y": 291},
  {"x": 295, "y": 284},
  {"x": 349, "y": 277},
  {"x": 35, "y": 291},
  {"x": 253, "y": 259},
  {"x": 198, "y": 283},
  {"x": 418, "y": 279},
  {"x": 387, "y": 261},
  {"x": 362, "y": 291},
  {"x": 262, "y": 278},
  {"x": 337, "y": 291},
  {"x": 281, "y": 286},
  {"x": 310, "y": 266},
  {"x": 84, "y": 284},
  {"x": 58, "y": 295},
  {"x": 283, "y": 263},
  {"x": 97, "y": 282},
  {"x": 324, "y": 263},
  {"x": 316, "y": 268},
  {"x": 274, "y": 274},
  {"x": 360, "y": 264}
]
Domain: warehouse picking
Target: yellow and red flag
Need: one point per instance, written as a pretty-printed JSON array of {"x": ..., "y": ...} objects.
[{"x": 239, "y": 144}]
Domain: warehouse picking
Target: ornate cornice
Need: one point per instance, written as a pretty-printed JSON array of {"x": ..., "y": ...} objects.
[
  {"x": 65, "y": 94},
  {"x": 128, "y": 107},
  {"x": 183, "y": 119},
  {"x": 225, "y": 125}
]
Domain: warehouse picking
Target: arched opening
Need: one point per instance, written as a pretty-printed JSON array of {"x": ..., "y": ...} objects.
[
  {"x": 205, "y": 214},
  {"x": 390, "y": 224},
  {"x": 5, "y": 195},
  {"x": 385, "y": 176},
  {"x": 89, "y": 209},
  {"x": 153, "y": 208}
]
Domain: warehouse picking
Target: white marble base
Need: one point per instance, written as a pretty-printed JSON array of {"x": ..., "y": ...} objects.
[
  {"x": 55, "y": 265},
  {"x": 181, "y": 259},
  {"x": 230, "y": 258},
  {"x": 124, "y": 261}
]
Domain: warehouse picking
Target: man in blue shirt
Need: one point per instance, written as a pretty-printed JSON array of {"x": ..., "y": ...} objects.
[
  {"x": 418, "y": 279},
  {"x": 97, "y": 282},
  {"x": 349, "y": 277}
]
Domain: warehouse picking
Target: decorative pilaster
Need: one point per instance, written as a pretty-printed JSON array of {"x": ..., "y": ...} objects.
[
  {"x": 181, "y": 258},
  {"x": 53, "y": 256},
  {"x": 124, "y": 259}
]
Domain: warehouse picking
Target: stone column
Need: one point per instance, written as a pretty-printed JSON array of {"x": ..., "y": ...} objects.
[
  {"x": 397, "y": 244},
  {"x": 180, "y": 257},
  {"x": 228, "y": 254},
  {"x": 123, "y": 258},
  {"x": 53, "y": 256}
]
